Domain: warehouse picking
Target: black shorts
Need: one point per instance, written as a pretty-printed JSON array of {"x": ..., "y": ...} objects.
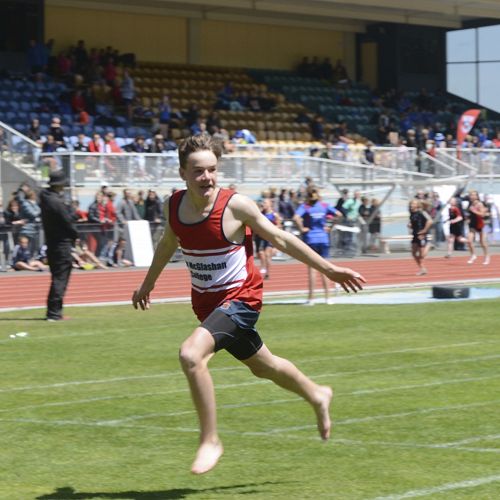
[
  {"x": 261, "y": 244},
  {"x": 422, "y": 243},
  {"x": 232, "y": 327}
]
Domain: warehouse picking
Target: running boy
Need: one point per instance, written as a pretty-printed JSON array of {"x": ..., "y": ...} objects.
[{"x": 214, "y": 229}]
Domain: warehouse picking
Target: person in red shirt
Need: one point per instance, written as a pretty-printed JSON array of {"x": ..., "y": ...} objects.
[{"x": 213, "y": 227}]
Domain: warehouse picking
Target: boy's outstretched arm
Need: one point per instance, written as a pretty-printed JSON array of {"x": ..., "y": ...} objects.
[
  {"x": 245, "y": 210},
  {"x": 163, "y": 253}
]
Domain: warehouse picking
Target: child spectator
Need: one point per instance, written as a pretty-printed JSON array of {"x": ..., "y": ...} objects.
[
  {"x": 22, "y": 259},
  {"x": 116, "y": 254}
]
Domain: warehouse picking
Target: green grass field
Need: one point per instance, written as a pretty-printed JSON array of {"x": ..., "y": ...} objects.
[{"x": 97, "y": 407}]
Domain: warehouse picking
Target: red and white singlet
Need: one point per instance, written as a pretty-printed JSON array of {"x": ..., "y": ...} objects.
[{"x": 220, "y": 270}]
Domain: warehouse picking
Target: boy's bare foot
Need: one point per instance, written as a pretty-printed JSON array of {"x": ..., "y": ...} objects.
[
  {"x": 322, "y": 409},
  {"x": 207, "y": 456}
]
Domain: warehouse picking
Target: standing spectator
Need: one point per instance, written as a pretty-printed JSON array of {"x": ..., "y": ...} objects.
[
  {"x": 30, "y": 212},
  {"x": 60, "y": 235},
  {"x": 140, "y": 203},
  {"x": 311, "y": 219},
  {"x": 126, "y": 208},
  {"x": 285, "y": 206},
  {"x": 13, "y": 218},
  {"x": 128, "y": 92},
  {"x": 164, "y": 114},
  {"x": 263, "y": 247},
  {"x": 420, "y": 224},
  {"x": 375, "y": 224},
  {"x": 152, "y": 207},
  {"x": 4, "y": 239},
  {"x": 364, "y": 214}
]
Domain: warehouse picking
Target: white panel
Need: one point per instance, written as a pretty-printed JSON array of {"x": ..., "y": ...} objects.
[
  {"x": 139, "y": 243},
  {"x": 489, "y": 41},
  {"x": 461, "y": 46},
  {"x": 461, "y": 80},
  {"x": 489, "y": 76}
]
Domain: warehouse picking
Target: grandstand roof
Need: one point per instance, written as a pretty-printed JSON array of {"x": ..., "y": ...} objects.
[{"x": 347, "y": 15}]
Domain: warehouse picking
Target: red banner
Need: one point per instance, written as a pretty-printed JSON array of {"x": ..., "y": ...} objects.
[{"x": 465, "y": 124}]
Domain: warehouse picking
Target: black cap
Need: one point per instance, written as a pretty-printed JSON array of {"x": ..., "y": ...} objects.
[{"x": 57, "y": 178}]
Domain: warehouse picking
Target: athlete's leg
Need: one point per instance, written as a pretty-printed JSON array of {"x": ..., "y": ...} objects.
[
  {"x": 311, "y": 279},
  {"x": 484, "y": 245},
  {"x": 451, "y": 244},
  {"x": 470, "y": 244},
  {"x": 415, "y": 252},
  {"x": 285, "y": 374},
  {"x": 326, "y": 286},
  {"x": 269, "y": 257},
  {"x": 194, "y": 355}
]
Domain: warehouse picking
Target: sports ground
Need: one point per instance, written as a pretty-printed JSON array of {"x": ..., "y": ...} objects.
[{"x": 97, "y": 407}]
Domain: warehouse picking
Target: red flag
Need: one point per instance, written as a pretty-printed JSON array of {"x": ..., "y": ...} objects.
[{"x": 465, "y": 124}]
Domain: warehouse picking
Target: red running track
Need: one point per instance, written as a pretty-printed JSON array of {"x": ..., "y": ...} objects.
[{"x": 89, "y": 287}]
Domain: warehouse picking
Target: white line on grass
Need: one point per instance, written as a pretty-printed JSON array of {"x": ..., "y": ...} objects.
[
  {"x": 178, "y": 372},
  {"x": 227, "y": 386},
  {"x": 470, "y": 483}
]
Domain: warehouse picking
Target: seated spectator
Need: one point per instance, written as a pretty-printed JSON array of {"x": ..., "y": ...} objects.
[
  {"x": 50, "y": 146},
  {"x": 110, "y": 145},
  {"x": 138, "y": 145},
  {"x": 116, "y": 254},
  {"x": 84, "y": 258},
  {"x": 81, "y": 144},
  {"x": 96, "y": 145},
  {"x": 57, "y": 132},
  {"x": 244, "y": 136},
  {"x": 340, "y": 72},
  {"x": 22, "y": 259}
]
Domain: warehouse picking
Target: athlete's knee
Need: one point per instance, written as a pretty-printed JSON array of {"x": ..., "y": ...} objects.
[{"x": 189, "y": 356}]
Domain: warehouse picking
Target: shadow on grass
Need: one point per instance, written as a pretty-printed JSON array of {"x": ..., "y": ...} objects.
[
  {"x": 41, "y": 318},
  {"x": 69, "y": 493}
]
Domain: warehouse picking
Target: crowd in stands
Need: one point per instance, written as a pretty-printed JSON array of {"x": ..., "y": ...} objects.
[{"x": 100, "y": 227}]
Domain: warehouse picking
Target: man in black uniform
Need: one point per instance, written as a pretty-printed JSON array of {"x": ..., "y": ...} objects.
[{"x": 60, "y": 234}]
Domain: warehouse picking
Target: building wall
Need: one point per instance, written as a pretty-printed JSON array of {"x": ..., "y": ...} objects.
[
  {"x": 152, "y": 38},
  {"x": 264, "y": 46},
  {"x": 220, "y": 43}
]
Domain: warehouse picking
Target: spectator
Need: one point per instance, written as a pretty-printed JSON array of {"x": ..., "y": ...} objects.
[
  {"x": 13, "y": 218},
  {"x": 374, "y": 226},
  {"x": 96, "y": 145},
  {"x": 84, "y": 258},
  {"x": 127, "y": 92},
  {"x": 57, "y": 132},
  {"x": 364, "y": 214},
  {"x": 152, "y": 207},
  {"x": 116, "y": 254},
  {"x": 263, "y": 247},
  {"x": 22, "y": 257},
  {"x": 126, "y": 210},
  {"x": 30, "y": 212},
  {"x": 285, "y": 206},
  {"x": 140, "y": 204},
  {"x": 164, "y": 115},
  {"x": 82, "y": 144},
  {"x": 317, "y": 128},
  {"x": 60, "y": 235}
]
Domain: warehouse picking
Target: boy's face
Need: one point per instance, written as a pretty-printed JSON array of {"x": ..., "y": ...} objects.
[
  {"x": 200, "y": 173},
  {"x": 23, "y": 242}
]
